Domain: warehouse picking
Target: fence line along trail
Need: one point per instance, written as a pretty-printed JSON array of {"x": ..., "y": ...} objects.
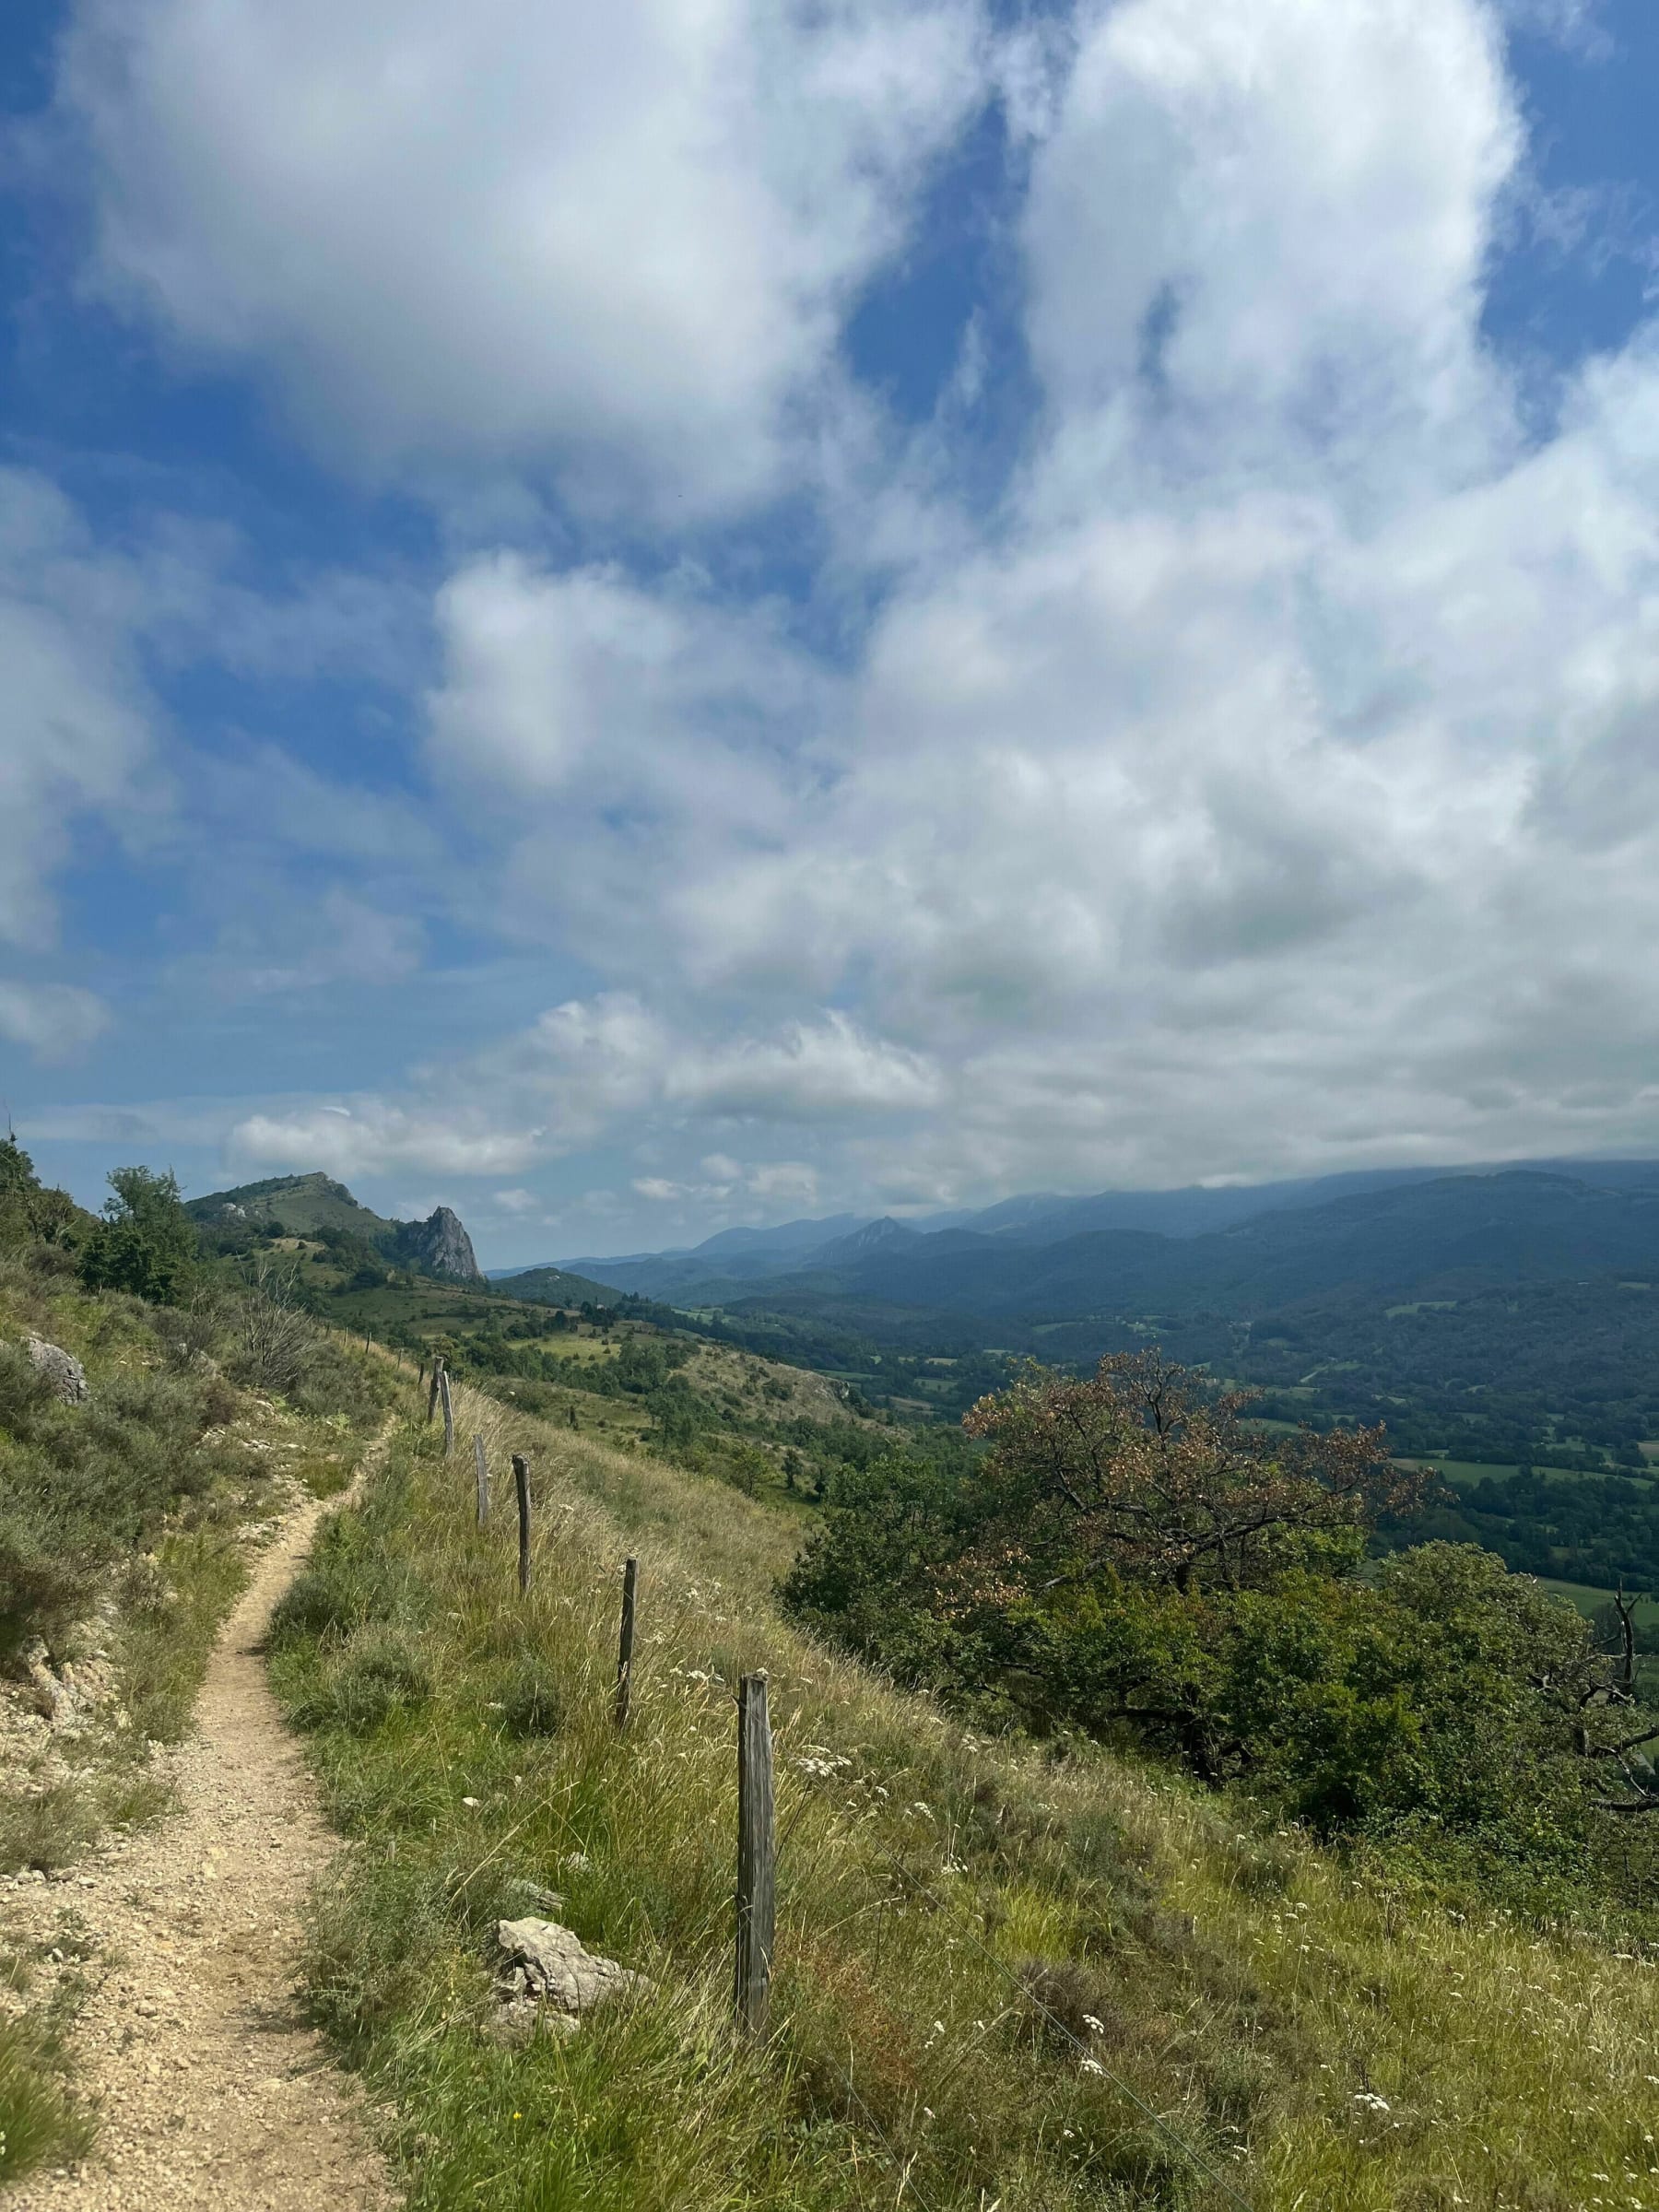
[{"x": 210, "y": 2091}]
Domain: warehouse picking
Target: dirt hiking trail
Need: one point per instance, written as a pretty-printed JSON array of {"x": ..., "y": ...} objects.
[{"x": 210, "y": 2091}]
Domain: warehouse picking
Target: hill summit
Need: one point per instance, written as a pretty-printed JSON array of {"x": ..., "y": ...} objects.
[{"x": 315, "y": 1205}]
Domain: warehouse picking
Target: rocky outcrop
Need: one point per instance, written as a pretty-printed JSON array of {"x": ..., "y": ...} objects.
[
  {"x": 439, "y": 1246},
  {"x": 62, "y": 1370},
  {"x": 546, "y": 1971}
]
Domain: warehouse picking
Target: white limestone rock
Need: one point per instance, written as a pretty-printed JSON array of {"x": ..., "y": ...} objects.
[{"x": 546, "y": 1971}]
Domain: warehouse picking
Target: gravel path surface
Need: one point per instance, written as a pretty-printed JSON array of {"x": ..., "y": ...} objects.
[{"x": 211, "y": 2091}]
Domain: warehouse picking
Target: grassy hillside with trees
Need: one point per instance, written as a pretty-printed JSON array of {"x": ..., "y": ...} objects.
[
  {"x": 1033, "y": 1973},
  {"x": 1130, "y": 1557},
  {"x": 1175, "y": 1849}
]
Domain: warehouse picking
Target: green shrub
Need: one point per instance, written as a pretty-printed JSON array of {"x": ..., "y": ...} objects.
[
  {"x": 45, "y": 1832},
  {"x": 80, "y": 1485},
  {"x": 531, "y": 1700},
  {"x": 380, "y": 1672},
  {"x": 353, "y": 1581},
  {"x": 1444, "y": 1706}
]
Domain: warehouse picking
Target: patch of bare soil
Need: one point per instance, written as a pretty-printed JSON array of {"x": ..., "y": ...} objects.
[{"x": 210, "y": 2090}]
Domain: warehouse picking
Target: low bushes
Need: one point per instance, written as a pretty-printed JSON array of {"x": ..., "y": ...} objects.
[{"x": 1132, "y": 1561}]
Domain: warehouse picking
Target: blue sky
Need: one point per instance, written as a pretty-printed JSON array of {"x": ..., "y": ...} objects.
[{"x": 640, "y": 619}]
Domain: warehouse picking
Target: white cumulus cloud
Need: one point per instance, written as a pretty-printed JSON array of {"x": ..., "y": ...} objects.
[
  {"x": 1266, "y": 780},
  {"x": 618, "y": 240},
  {"x": 1264, "y": 785}
]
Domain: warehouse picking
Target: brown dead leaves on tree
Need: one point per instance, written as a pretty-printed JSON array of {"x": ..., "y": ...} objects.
[{"x": 1141, "y": 1472}]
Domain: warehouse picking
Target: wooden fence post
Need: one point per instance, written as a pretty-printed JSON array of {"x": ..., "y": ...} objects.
[
  {"x": 482, "y": 1465},
  {"x": 757, "y": 1856},
  {"x": 521, "y": 1478},
  {"x": 630, "y": 1583},
  {"x": 448, "y": 1412},
  {"x": 433, "y": 1394}
]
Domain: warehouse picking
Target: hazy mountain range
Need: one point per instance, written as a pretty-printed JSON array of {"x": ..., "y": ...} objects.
[{"x": 1231, "y": 1250}]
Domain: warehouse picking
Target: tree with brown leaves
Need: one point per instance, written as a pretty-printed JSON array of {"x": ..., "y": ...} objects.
[{"x": 1139, "y": 1471}]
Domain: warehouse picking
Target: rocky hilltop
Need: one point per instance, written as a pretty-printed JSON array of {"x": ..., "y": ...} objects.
[
  {"x": 309, "y": 1205},
  {"x": 439, "y": 1246}
]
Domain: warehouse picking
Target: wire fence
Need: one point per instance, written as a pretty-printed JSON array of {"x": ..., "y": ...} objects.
[{"x": 752, "y": 1816}]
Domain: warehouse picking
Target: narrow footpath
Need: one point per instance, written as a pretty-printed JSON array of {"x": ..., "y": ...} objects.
[{"x": 209, "y": 2089}]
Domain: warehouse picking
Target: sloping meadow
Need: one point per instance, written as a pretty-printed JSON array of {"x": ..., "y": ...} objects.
[{"x": 1006, "y": 1976}]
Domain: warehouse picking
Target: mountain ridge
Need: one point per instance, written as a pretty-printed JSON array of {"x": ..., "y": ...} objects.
[
  {"x": 1476, "y": 1230},
  {"x": 438, "y": 1246}
]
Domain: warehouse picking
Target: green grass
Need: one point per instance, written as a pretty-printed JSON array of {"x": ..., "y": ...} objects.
[
  {"x": 1589, "y": 1600},
  {"x": 174, "y": 1602},
  {"x": 1319, "y": 2036},
  {"x": 40, "y": 2122},
  {"x": 40, "y": 2125},
  {"x": 46, "y": 1827},
  {"x": 1465, "y": 1474}
]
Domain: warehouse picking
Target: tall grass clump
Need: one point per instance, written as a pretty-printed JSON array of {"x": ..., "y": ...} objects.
[
  {"x": 84, "y": 1486},
  {"x": 1006, "y": 1974},
  {"x": 40, "y": 2124}
]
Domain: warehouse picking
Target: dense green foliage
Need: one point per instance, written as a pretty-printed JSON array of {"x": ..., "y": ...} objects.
[
  {"x": 1088, "y": 1574},
  {"x": 145, "y": 1245}
]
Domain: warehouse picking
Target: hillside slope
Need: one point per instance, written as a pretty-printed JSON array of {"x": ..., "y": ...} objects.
[
  {"x": 310, "y": 1205},
  {"x": 1006, "y": 1974},
  {"x": 554, "y": 1286},
  {"x": 133, "y": 1494}
]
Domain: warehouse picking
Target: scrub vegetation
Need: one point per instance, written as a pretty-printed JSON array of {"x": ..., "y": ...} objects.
[
  {"x": 1009, "y": 1972},
  {"x": 126, "y": 1518}
]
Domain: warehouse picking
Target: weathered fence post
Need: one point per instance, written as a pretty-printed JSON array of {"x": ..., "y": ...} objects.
[
  {"x": 433, "y": 1394},
  {"x": 757, "y": 1856},
  {"x": 521, "y": 1479},
  {"x": 482, "y": 1464},
  {"x": 630, "y": 1583},
  {"x": 448, "y": 1412}
]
